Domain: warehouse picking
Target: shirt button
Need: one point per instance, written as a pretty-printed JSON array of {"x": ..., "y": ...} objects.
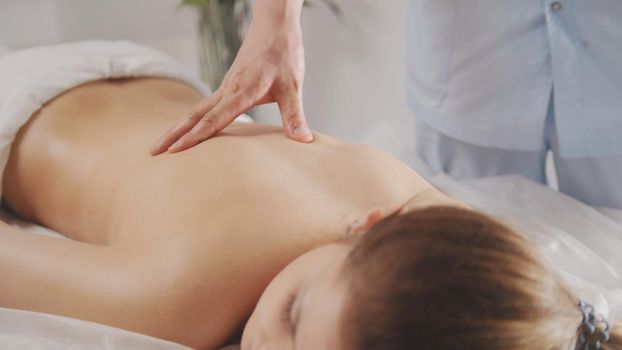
[{"x": 556, "y": 6}]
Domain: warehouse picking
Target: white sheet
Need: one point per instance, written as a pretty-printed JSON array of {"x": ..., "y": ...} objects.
[
  {"x": 582, "y": 242},
  {"x": 34, "y": 331}
]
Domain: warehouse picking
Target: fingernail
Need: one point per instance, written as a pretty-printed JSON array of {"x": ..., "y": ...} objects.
[
  {"x": 302, "y": 130},
  {"x": 156, "y": 145},
  {"x": 174, "y": 147}
]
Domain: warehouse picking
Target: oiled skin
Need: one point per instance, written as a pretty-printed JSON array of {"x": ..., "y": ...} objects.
[{"x": 180, "y": 246}]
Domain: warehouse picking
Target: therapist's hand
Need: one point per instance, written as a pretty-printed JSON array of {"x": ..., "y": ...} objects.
[{"x": 268, "y": 68}]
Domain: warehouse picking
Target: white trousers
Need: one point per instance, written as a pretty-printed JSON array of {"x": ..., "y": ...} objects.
[{"x": 596, "y": 181}]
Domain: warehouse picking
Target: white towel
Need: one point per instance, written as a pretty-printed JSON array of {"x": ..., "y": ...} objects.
[{"x": 29, "y": 78}]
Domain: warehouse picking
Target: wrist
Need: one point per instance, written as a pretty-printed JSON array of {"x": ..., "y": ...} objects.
[{"x": 278, "y": 12}]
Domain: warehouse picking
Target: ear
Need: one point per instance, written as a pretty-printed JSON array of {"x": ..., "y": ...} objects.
[{"x": 372, "y": 219}]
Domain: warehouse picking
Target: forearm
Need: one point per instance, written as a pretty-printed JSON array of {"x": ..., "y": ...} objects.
[
  {"x": 69, "y": 278},
  {"x": 42, "y": 273},
  {"x": 117, "y": 286}
]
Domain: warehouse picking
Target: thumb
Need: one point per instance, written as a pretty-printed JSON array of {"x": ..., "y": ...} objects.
[{"x": 292, "y": 114}]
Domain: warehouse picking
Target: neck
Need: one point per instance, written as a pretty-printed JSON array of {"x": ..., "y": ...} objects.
[{"x": 431, "y": 197}]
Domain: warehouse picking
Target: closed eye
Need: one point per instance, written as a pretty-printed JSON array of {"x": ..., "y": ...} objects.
[{"x": 287, "y": 311}]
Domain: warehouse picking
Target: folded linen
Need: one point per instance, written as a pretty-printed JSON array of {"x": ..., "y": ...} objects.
[{"x": 34, "y": 76}]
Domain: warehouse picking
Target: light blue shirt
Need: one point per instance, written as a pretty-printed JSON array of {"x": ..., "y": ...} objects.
[{"x": 483, "y": 71}]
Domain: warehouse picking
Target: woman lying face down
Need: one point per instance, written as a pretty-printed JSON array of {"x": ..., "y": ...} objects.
[
  {"x": 186, "y": 246},
  {"x": 436, "y": 277}
]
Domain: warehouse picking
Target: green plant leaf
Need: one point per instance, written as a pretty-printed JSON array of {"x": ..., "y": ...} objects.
[
  {"x": 196, "y": 3},
  {"x": 334, "y": 7}
]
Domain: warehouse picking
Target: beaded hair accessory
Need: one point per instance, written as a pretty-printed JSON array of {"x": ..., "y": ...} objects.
[{"x": 594, "y": 329}]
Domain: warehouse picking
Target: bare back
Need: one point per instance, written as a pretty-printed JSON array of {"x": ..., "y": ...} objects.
[{"x": 248, "y": 201}]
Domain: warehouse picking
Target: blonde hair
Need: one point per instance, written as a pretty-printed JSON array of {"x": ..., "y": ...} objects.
[{"x": 450, "y": 278}]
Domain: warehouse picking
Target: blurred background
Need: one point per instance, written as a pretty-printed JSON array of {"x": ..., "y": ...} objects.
[{"x": 356, "y": 67}]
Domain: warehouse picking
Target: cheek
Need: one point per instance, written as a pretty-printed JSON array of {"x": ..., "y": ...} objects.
[
  {"x": 265, "y": 325},
  {"x": 259, "y": 327},
  {"x": 249, "y": 334},
  {"x": 262, "y": 332}
]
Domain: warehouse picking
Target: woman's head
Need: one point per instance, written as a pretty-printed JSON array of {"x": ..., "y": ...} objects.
[{"x": 440, "y": 277}]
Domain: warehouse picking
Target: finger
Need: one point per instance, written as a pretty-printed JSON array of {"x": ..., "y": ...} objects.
[
  {"x": 213, "y": 122},
  {"x": 185, "y": 124},
  {"x": 292, "y": 113}
]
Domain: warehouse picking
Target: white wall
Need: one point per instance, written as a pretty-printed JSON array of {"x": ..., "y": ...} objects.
[
  {"x": 156, "y": 23},
  {"x": 355, "y": 82}
]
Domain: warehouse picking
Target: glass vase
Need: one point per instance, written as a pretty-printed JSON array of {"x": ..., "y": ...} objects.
[{"x": 222, "y": 27}]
